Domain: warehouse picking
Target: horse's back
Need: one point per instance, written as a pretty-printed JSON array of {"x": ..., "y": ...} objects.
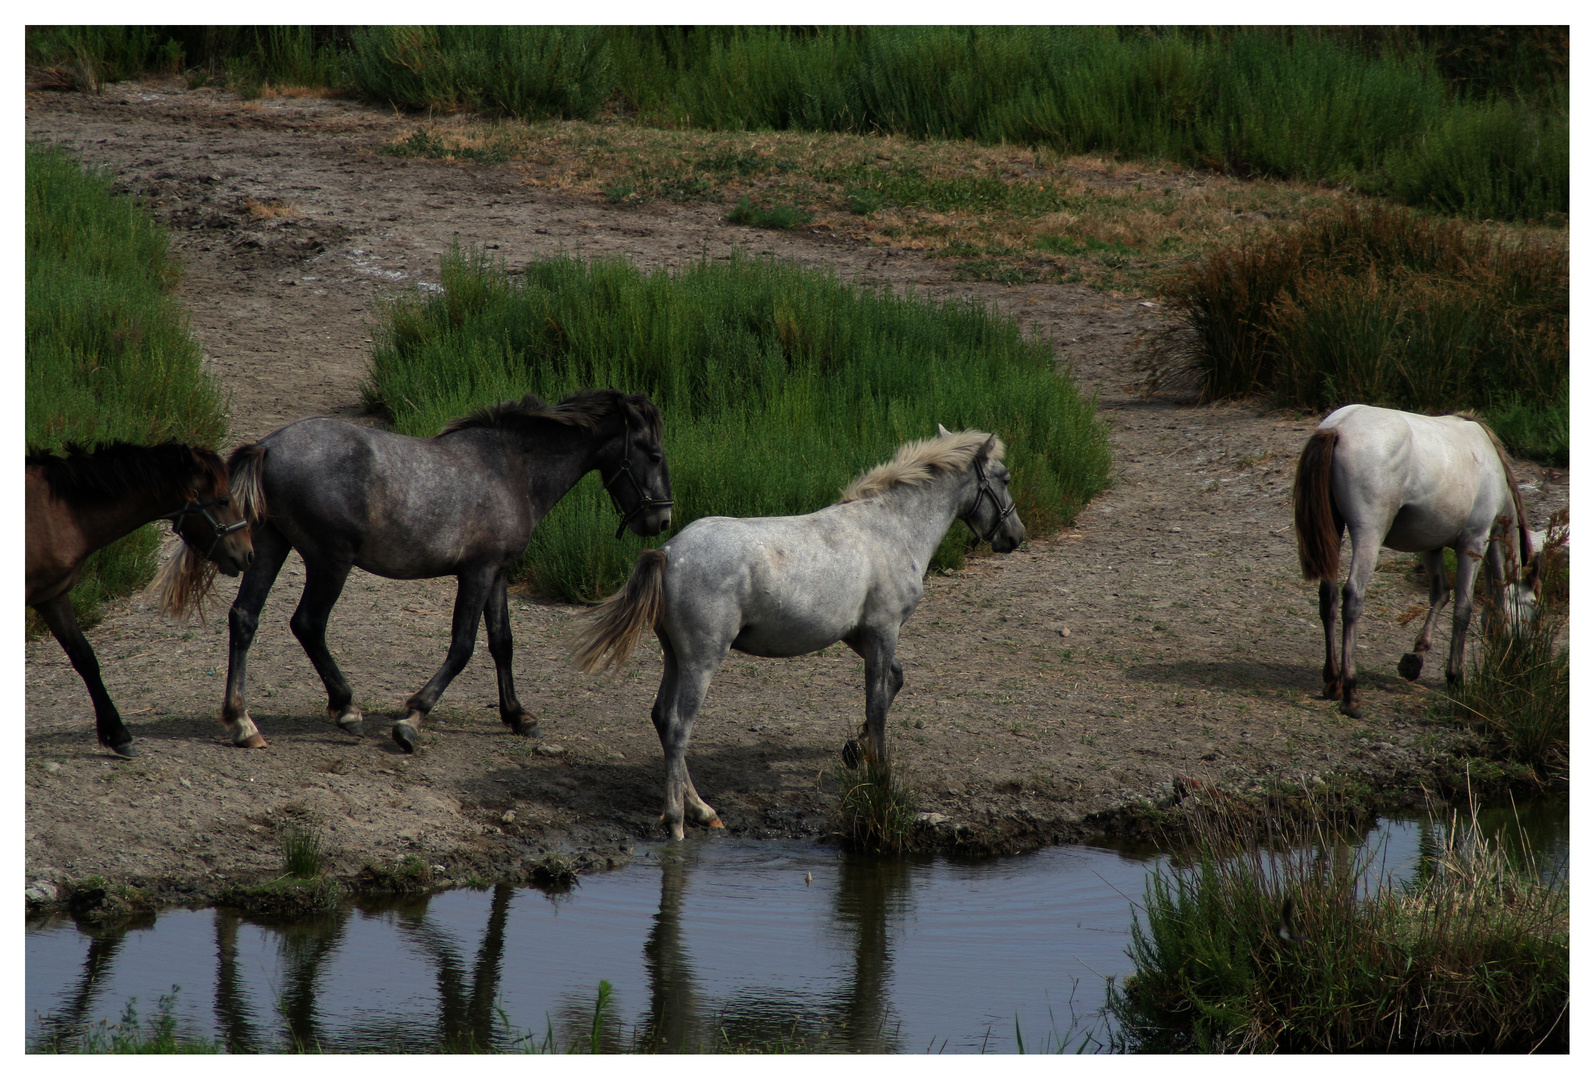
[
  {"x": 1421, "y": 480},
  {"x": 401, "y": 506},
  {"x": 781, "y": 586}
]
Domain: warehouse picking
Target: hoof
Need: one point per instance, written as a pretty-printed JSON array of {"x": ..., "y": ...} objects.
[
  {"x": 353, "y": 721},
  {"x": 1332, "y": 691},
  {"x": 1353, "y": 711},
  {"x": 254, "y": 741},
  {"x": 406, "y": 736},
  {"x": 525, "y": 727},
  {"x": 124, "y": 750},
  {"x": 717, "y": 823},
  {"x": 1411, "y": 666}
]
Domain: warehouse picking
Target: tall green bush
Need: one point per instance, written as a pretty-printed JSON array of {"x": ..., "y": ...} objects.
[
  {"x": 108, "y": 351},
  {"x": 778, "y": 385}
]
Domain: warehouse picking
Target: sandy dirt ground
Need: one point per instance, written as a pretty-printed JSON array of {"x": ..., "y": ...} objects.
[{"x": 1051, "y": 694}]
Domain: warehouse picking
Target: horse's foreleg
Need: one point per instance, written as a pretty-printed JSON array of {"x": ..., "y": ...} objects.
[
  {"x": 1364, "y": 557},
  {"x": 681, "y": 694},
  {"x": 63, "y": 623},
  {"x": 1468, "y": 559},
  {"x": 883, "y": 677},
  {"x": 501, "y": 644},
  {"x": 468, "y": 604},
  {"x": 323, "y": 585},
  {"x": 271, "y": 548},
  {"x": 1411, "y": 665},
  {"x": 1328, "y": 612}
]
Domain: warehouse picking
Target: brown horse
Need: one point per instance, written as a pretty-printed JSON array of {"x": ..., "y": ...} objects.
[{"x": 80, "y": 502}]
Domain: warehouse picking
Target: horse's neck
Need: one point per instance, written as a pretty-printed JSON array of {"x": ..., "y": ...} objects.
[
  {"x": 104, "y": 522},
  {"x": 556, "y": 458},
  {"x": 917, "y": 516}
]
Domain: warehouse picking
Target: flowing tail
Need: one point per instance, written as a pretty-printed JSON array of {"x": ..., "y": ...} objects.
[
  {"x": 1318, "y": 523},
  {"x": 246, "y": 469},
  {"x": 612, "y": 629}
]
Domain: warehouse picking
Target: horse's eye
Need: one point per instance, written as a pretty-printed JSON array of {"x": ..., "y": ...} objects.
[
  {"x": 223, "y": 501},
  {"x": 656, "y": 456}
]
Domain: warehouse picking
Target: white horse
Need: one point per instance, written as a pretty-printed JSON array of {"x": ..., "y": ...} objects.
[
  {"x": 784, "y": 586},
  {"x": 1412, "y": 483}
]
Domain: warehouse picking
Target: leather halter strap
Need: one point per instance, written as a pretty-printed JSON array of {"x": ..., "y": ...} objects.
[
  {"x": 644, "y": 501},
  {"x": 986, "y": 490},
  {"x": 220, "y": 531}
]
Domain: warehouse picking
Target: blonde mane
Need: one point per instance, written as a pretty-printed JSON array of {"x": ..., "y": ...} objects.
[{"x": 920, "y": 461}]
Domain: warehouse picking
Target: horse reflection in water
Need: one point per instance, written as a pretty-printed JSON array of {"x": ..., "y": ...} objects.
[{"x": 856, "y": 1017}]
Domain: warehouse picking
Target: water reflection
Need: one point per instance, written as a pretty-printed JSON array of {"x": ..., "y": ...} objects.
[{"x": 709, "y": 945}]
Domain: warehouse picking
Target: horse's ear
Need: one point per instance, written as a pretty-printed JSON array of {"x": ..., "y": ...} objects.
[
  {"x": 942, "y": 432},
  {"x": 987, "y": 446}
]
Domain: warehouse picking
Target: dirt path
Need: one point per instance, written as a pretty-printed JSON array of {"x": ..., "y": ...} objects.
[{"x": 1167, "y": 634}]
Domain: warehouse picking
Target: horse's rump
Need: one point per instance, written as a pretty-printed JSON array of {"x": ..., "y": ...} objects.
[{"x": 1318, "y": 522}]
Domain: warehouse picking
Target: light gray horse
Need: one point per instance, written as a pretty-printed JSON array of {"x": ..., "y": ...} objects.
[
  {"x": 1412, "y": 483},
  {"x": 784, "y": 586},
  {"x": 464, "y": 503}
]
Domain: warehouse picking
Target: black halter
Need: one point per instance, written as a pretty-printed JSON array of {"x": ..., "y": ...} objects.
[
  {"x": 987, "y": 490},
  {"x": 203, "y": 510},
  {"x": 644, "y": 502}
]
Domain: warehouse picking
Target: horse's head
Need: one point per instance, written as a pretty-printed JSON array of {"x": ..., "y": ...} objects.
[
  {"x": 634, "y": 469},
  {"x": 990, "y": 512},
  {"x": 212, "y": 524}
]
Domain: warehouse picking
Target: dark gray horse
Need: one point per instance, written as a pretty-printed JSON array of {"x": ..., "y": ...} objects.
[
  {"x": 784, "y": 586},
  {"x": 463, "y": 503}
]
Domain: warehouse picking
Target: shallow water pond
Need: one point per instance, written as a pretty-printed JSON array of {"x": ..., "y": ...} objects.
[{"x": 708, "y": 945}]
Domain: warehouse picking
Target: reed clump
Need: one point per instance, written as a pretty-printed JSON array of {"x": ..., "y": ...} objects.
[
  {"x": 108, "y": 351},
  {"x": 875, "y": 813},
  {"x": 1265, "y": 942},
  {"x": 1385, "y": 306},
  {"x": 1518, "y": 692},
  {"x": 777, "y": 384}
]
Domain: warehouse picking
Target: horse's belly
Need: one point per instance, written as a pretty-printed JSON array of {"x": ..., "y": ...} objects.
[{"x": 786, "y": 640}]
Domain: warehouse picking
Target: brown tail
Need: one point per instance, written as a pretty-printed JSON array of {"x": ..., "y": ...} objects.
[
  {"x": 1317, "y": 520},
  {"x": 613, "y": 628},
  {"x": 245, "y": 469}
]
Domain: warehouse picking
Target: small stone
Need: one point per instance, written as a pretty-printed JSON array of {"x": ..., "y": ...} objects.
[
  {"x": 507, "y": 817},
  {"x": 52, "y": 766},
  {"x": 551, "y": 749},
  {"x": 931, "y": 819}
]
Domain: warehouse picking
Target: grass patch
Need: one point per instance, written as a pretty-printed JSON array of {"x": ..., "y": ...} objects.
[
  {"x": 109, "y": 354},
  {"x": 302, "y": 890},
  {"x": 778, "y": 385},
  {"x": 775, "y": 217},
  {"x": 1519, "y": 692},
  {"x": 1387, "y": 307},
  {"x": 1269, "y": 943},
  {"x": 876, "y": 811},
  {"x": 132, "y": 1035},
  {"x": 1462, "y": 119}
]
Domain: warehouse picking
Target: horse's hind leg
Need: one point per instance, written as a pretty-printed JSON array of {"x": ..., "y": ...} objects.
[
  {"x": 1328, "y": 611},
  {"x": 1411, "y": 665},
  {"x": 501, "y": 644},
  {"x": 681, "y": 693},
  {"x": 1364, "y": 557},
  {"x": 63, "y": 623},
  {"x": 271, "y": 548},
  {"x": 468, "y": 604},
  {"x": 323, "y": 585}
]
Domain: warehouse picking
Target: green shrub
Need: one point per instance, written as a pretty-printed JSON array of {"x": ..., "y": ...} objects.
[
  {"x": 1386, "y": 307},
  {"x": 109, "y": 353},
  {"x": 778, "y": 385},
  {"x": 1269, "y": 942}
]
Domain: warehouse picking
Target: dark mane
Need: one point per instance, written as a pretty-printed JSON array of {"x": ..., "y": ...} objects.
[
  {"x": 583, "y": 409},
  {"x": 112, "y": 470}
]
